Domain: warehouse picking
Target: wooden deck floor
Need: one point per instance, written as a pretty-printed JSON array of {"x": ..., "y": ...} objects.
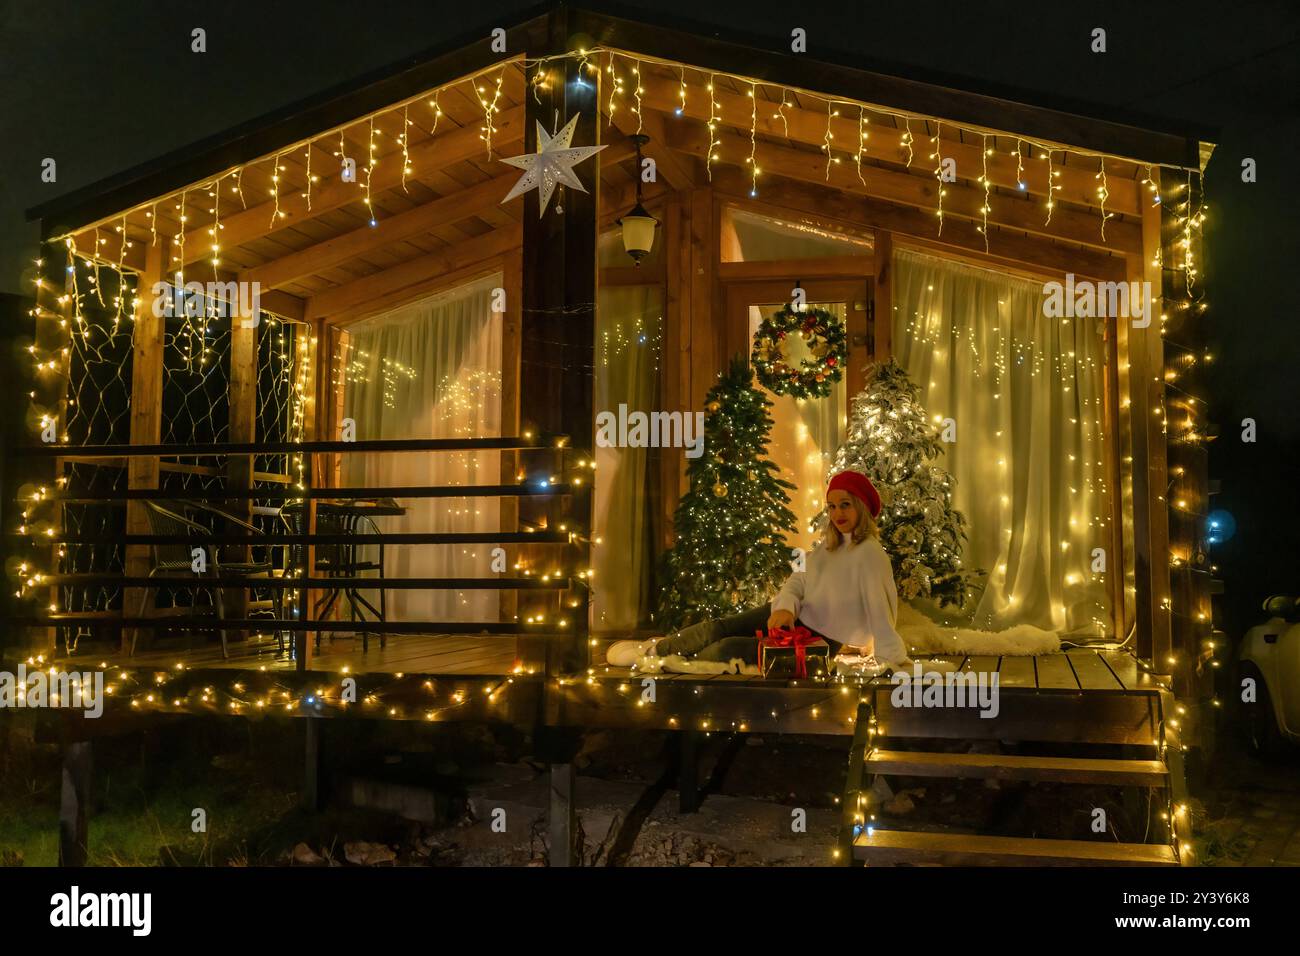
[
  {"x": 1074, "y": 670},
  {"x": 404, "y": 653}
]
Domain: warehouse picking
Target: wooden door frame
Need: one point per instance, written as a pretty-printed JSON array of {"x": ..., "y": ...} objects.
[{"x": 855, "y": 291}]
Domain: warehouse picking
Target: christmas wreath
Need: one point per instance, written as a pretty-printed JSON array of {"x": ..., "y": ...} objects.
[{"x": 814, "y": 377}]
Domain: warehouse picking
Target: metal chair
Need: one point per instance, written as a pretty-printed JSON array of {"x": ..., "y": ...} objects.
[
  {"x": 343, "y": 561},
  {"x": 175, "y": 561}
]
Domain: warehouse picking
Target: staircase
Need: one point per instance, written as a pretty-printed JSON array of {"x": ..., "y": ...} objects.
[{"x": 894, "y": 742}]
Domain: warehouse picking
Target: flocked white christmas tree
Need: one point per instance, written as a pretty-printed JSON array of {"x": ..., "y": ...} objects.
[{"x": 891, "y": 441}]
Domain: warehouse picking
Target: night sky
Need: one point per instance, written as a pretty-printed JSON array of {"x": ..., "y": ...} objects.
[{"x": 102, "y": 87}]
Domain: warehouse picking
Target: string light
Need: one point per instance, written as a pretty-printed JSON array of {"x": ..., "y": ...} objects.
[
  {"x": 1103, "y": 193},
  {"x": 938, "y": 173},
  {"x": 985, "y": 152},
  {"x": 275, "y": 194},
  {"x": 404, "y": 138},
  {"x": 714, "y": 142},
  {"x": 862, "y": 142},
  {"x": 753, "y": 141}
]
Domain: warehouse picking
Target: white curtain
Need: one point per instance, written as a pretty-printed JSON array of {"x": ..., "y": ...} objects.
[
  {"x": 431, "y": 369},
  {"x": 629, "y": 320},
  {"x": 1025, "y": 394}
]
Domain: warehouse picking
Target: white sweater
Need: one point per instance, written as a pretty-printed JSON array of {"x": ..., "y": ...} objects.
[{"x": 848, "y": 595}]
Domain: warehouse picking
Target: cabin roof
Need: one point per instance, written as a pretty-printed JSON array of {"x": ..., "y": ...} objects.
[{"x": 959, "y": 100}]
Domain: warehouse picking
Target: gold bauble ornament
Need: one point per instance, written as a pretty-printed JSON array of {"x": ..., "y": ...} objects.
[
  {"x": 720, "y": 490},
  {"x": 713, "y": 407}
]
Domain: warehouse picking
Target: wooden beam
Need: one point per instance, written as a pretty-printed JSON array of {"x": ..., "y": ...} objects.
[
  {"x": 363, "y": 292},
  {"x": 825, "y": 267},
  {"x": 631, "y": 275},
  {"x": 675, "y": 169},
  {"x": 432, "y": 285},
  {"x": 921, "y": 192},
  {"x": 332, "y": 192},
  {"x": 782, "y": 197},
  {"x": 337, "y": 250},
  {"x": 1078, "y": 185}
]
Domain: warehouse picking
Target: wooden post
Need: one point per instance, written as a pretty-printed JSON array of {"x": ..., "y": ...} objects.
[
  {"x": 512, "y": 280},
  {"x": 1150, "y": 475},
  {"x": 676, "y": 354},
  {"x": 706, "y": 331},
  {"x": 562, "y": 816},
  {"x": 312, "y": 794},
  {"x": 1112, "y": 430},
  {"x": 74, "y": 799},
  {"x": 146, "y": 429},
  {"x": 882, "y": 325},
  {"x": 558, "y": 326},
  {"x": 243, "y": 428},
  {"x": 688, "y": 771}
]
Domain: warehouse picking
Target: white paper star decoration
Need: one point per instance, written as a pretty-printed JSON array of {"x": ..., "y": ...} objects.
[{"x": 551, "y": 165}]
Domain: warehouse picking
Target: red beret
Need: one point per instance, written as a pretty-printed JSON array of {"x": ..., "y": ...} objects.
[{"x": 860, "y": 487}]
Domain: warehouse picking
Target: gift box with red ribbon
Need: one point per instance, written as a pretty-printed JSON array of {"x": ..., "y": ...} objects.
[{"x": 794, "y": 652}]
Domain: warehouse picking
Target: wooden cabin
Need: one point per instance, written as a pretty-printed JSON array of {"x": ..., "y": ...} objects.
[{"x": 384, "y": 472}]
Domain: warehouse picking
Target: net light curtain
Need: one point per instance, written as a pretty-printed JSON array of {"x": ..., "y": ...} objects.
[
  {"x": 430, "y": 369},
  {"x": 629, "y": 328},
  {"x": 1025, "y": 392}
]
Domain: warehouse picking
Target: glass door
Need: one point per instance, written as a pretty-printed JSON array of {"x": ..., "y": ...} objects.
[{"x": 805, "y": 433}]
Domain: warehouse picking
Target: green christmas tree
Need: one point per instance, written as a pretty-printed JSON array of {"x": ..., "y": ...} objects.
[
  {"x": 892, "y": 443},
  {"x": 731, "y": 552}
]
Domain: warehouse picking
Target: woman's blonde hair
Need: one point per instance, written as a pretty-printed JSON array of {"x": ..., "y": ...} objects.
[{"x": 864, "y": 529}]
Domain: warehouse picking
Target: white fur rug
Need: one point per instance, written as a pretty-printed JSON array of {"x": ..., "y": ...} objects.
[
  {"x": 923, "y": 637},
  {"x": 676, "y": 664}
]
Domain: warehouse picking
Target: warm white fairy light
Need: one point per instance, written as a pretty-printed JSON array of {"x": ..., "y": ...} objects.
[
  {"x": 371, "y": 163},
  {"x": 714, "y": 142},
  {"x": 636, "y": 94},
  {"x": 310, "y": 178},
  {"x": 862, "y": 142},
  {"x": 275, "y": 191},
  {"x": 404, "y": 138},
  {"x": 1052, "y": 187},
  {"x": 490, "y": 109},
  {"x": 829, "y": 135},
  {"x": 1103, "y": 193},
  {"x": 753, "y": 141},
  {"x": 214, "y": 229},
  {"x": 938, "y": 173},
  {"x": 437, "y": 114},
  {"x": 985, "y": 153}
]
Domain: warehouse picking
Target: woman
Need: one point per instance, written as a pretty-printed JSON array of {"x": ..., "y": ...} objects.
[{"x": 846, "y": 595}]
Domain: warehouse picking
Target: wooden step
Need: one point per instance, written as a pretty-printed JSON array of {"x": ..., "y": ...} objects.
[
  {"x": 1058, "y": 716},
  {"x": 1134, "y": 773},
  {"x": 888, "y": 847}
]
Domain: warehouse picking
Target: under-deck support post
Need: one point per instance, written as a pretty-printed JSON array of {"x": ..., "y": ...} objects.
[
  {"x": 688, "y": 772},
  {"x": 312, "y": 795},
  {"x": 562, "y": 817},
  {"x": 74, "y": 799}
]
